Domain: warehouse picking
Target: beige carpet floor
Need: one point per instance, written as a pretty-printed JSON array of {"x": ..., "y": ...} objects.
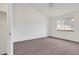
[{"x": 46, "y": 46}]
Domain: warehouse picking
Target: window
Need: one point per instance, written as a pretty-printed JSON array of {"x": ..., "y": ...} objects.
[{"x": 65, "y": 24}]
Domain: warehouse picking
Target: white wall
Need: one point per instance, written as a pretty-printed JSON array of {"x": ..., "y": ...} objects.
[
  {"x": 3, "y": 33},
  {"x": 74, "y": 36},
  {"x": 29, "y": 23},
  {"x": 3, "y": 7}
]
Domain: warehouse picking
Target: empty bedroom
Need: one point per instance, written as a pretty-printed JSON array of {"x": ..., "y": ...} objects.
[{"x": 45, "y": 28}]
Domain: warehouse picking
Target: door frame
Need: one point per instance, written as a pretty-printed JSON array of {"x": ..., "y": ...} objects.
[{"x": 9, "y": 28}]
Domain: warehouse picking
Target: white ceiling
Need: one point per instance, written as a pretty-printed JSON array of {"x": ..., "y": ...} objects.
[
  {"x": 54, "y": 9},
  {"x": 59, "y": 9}
]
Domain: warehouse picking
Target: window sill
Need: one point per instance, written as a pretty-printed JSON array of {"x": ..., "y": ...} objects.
[{"x": 66, "y": 30}]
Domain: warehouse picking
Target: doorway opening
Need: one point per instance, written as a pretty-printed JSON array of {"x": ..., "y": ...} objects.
[{"x": 3, "y": 33}]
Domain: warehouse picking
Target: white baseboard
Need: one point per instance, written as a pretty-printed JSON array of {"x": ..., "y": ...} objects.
[
  {"x": 44, "y": 37},
  {"x": 23, "y": 39},
  {"x": 63, "y": 39}
]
